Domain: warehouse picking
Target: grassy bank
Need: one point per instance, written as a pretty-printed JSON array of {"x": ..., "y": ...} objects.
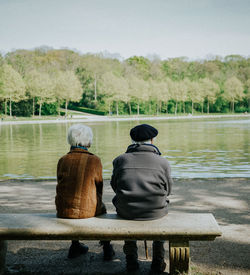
[{"x": 81, "y": 116}]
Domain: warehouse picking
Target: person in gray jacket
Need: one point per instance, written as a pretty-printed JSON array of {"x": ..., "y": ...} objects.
[{"x": 142, "y": 181}]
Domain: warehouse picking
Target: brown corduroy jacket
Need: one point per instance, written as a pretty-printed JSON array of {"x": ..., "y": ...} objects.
[{"x": 79, "y": 185}]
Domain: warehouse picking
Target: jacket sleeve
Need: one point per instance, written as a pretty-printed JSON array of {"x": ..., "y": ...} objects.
[
  {"x": 169, "y": 182},
  {"x": 58, "y": 177},
  {"x": 114, "y": 176},
  {"x": 58, "y": 168},
  {"x": 98, "y": 168},
  {"x": 100, "y": 208}
]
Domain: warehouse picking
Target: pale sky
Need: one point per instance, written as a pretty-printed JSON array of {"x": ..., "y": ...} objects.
[{"x": 167, "y": 28}]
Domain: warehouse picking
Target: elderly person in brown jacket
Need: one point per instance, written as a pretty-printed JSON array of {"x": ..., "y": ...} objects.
[{"x": 79, "y": 185}]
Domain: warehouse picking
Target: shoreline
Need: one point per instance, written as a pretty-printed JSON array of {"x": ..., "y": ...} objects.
[
  {"x": 53, "y": 179},
  {"x": 228, "y": 199},
  {"x": 92, "y": 118}
]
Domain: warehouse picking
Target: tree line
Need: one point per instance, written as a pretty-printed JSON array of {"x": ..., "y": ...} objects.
[{"x": 41, "y": 81}]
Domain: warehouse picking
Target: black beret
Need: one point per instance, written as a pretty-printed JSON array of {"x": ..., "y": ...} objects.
[{"x": 143, "y": 132}]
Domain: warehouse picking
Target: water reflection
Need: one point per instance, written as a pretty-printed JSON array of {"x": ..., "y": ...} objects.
[{"x": 200, "y": 148}]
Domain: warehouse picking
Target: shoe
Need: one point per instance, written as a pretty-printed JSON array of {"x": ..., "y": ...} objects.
[
  {"x": 132, "y": 263},
  {"x": 108, "y": 252},
  {"x": 158, "y": 266},
  {"x": 77, "y": 250}
]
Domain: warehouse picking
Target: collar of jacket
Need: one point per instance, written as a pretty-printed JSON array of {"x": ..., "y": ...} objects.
[
  {"x": 74, "y": 149},
  {"x": 82, "y": 147},
  {"x": 143, "y": 148}
]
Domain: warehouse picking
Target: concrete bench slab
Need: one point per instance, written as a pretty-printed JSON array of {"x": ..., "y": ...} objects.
[{"x": 177, "y": 228}]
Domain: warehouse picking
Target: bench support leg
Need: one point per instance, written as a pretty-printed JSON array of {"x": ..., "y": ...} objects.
[
  {"x": 179, "y": 257},
  {"x": 3, "y": 250}
]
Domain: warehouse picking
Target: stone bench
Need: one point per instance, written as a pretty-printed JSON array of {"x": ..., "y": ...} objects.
[{"x": 177, "y": 228}]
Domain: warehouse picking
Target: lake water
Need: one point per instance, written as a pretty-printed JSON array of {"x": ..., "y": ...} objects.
[{"x": 196, "y": 148}]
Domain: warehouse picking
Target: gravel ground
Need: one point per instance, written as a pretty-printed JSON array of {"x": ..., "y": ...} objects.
[{"x": 227, "y": 198}]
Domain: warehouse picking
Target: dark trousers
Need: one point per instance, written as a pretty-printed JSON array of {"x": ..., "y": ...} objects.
[{"x": 130, "y": 249}]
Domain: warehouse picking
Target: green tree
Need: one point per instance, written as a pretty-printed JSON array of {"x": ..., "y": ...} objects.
[
  {"x": 182, "y": 87},
  {"x": 175, "y": 68},
  {"x": 1, "y": 80},
  {"x": 139, "y": 65},
  {"x": 233, "y": 90},
  {"x": 13, "y": 87},
  {"x": 107, "y": 88},
  {"x": 194, "y": 92},
  {"x": 21, "y": 60},
  {"x": 248, "y": 93},
  {"x": 115, "y": 89},
  {"x": 166, "y": 91},
  {"x": 63, "y": 59},
  {"x": 67, "y": 87},
  {"x": 122, "y": 93},
  {"x": 155, "y": 70},
  {"x": 179, "y": 92},
  {"x": 86, "y": 81},
  {"x": 97, "y": 66},
  {"x": 31, "y": 87},
  {"x": 154, "y": 95},
  {"x": 195, "y": 70},
  {"x": 22, "y": 108},
  {"x": 138, "y": 90},
  {"x": 39, "y": 87},
  {"x": 137, "y": 80},
  {"x": 175, "y": 93},
  {"x": 209, "y": 90},
  {"x": 161, "y": 92}
]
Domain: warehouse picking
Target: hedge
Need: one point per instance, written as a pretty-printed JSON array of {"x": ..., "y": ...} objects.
[{"x": 88, "y": 110}]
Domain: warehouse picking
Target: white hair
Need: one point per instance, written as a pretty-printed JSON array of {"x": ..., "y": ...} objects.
[
  {"x": 142, "y": 142},
  {"x": 79, "y": 134}
]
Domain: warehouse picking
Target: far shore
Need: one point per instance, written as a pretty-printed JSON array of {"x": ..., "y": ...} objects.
[{"x": 96, "y": 118}]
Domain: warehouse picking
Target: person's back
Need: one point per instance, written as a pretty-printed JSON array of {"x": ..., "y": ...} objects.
[
  {"x": 141, "y": 181},
  {"x": 144, "y": 183},
  {"x": 79, "y": 176}
]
